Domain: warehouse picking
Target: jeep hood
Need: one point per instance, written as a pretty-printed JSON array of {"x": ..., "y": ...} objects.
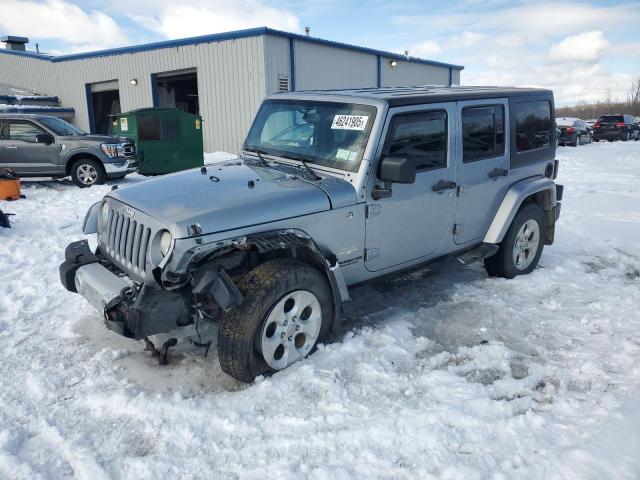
[{"x": 232, "y": 195}]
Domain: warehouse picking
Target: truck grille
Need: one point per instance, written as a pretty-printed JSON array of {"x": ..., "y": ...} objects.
[
  {"x": 129, "y": 149},
  {"x": 126, "y": 241}
]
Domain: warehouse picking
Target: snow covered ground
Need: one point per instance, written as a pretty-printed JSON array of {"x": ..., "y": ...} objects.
[{"x": 443, "y": 373}]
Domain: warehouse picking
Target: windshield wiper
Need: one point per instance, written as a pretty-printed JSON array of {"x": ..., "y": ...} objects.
[
  {"x": 259, "y": 154},
  {"x": 314, "y": 175}
]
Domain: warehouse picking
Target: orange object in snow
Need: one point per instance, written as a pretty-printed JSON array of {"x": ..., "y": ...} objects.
[{"x": 9, "y": 188}]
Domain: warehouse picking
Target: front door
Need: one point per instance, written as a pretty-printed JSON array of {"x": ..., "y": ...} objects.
[
  {"x": 24, "y": 155},
  {"x": 416, "y": 221},
  {"x": 484, "y": 166}
]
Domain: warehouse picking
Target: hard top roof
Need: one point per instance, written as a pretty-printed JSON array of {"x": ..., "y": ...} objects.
[{"x": 398, "y": 96}]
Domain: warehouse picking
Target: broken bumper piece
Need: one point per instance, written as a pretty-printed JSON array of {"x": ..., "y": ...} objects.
[{"x": 132, "y": 311}]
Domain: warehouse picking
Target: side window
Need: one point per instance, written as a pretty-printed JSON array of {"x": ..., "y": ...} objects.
[
  {"x": 533, "y": 125},
  {"x": 482, "y": 132},
  {"x": 421, "y": 137},
  {"x": 23, "y": 131},
  {"x": 149, "y": 128}
]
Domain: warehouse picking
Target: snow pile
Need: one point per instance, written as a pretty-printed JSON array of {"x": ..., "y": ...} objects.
[{"x": 442, "y": 373}]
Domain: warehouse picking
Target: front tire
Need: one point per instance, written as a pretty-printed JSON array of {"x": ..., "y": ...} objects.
[
  {"x": 520, "y": 251},
  {"x": 87, "y": 172},
  {"x": 287, "y": 310}
]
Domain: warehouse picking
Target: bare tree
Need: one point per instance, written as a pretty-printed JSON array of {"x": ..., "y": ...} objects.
[{"x": 610, "y": 105}]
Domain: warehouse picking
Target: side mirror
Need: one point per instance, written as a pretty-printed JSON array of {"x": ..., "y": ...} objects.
[
  {"x": 397, "y": 170},
  {"x": 45, "y": 138}
]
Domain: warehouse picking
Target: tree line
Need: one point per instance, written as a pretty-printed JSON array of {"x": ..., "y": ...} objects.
[{"x": 629, "y": 106}]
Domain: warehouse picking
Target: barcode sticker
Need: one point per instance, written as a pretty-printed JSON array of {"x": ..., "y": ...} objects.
[{"x": 350, "y": 122}]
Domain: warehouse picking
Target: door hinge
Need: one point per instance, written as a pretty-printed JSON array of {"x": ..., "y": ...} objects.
[
  {"x": 373, "y": 210},
  {"x": 457, "y": 228},
  {"x": 371, "y": 253}
]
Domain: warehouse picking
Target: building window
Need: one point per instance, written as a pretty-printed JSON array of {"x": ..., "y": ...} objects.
[
  {"x": 420, "y": 137},
  {"x": 533, "y": 125},
  {"x": 482, "y": 132}
]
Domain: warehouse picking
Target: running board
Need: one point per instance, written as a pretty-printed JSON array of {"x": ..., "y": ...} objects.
[{"x": 479, "y": 253}]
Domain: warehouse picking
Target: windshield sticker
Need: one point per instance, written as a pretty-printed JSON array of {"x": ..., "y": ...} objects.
[
  {"x": 346, "y": 155},
  {"x": 349, "y": 122},
  {"x": 124, "y": 124}
]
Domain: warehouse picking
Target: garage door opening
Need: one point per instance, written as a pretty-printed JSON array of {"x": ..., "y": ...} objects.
[
  {"x": 177, "y": 90},
  {"x": 104, "y": 101}
]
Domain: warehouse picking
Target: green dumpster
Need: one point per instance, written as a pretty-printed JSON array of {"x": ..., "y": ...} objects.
[{"x": 167, "y": 139}]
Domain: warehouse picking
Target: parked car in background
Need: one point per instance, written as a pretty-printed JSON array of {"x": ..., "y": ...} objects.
[
  {"x": 45, "y": 146},
  {"x": 573, "y": 131},
  {"x": 591, "y": 122},
  {"x": 616, "y": 127},
  {"x": 332, "y": 189}
]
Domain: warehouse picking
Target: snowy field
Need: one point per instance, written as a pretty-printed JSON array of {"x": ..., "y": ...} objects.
[{"x": 443, "y": 373}]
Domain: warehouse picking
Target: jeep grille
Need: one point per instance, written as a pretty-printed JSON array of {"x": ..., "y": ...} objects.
[{"x": 126, "y": 240}]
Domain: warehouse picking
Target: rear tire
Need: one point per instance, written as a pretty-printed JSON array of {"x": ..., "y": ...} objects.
[
  {"x": 522, "y": 246},
  {"x": 87, "y": 172},
  {"x": 625, "y": 137},
  {"x": 281, "y": 292}
]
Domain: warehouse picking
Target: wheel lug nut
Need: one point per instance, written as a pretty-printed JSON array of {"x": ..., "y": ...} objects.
[
  {"x": 297, "y": 327},
  {"x": 290, "y": 338},
  {"x": 282, "y": 335},
  {"x": 285, "y": 323}
]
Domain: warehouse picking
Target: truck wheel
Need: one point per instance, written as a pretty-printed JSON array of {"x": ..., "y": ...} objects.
[
  {"x": 287, "y": 310},
  {"x": 86, "y": 172},
  {"x": 520, "y": 251}
]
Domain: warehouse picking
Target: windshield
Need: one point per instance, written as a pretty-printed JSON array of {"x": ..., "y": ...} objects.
[
  {"x": 324, "y": 133},
  {"x": 60, "y": 127}
]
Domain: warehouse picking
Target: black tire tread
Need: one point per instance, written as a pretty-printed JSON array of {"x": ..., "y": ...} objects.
[
  {"x": 499, "y": 265},
  {"x": 238, "y": 326}
]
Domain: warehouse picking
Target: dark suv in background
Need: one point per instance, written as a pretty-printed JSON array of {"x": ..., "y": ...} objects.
[
  {"x": 616, "y": 127},
  {"x": 45, "y": 146},
  {"x": 573, "y": 131}
]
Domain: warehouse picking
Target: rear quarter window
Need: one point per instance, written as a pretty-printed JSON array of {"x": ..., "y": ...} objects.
[{"x": 533, "y": 125}]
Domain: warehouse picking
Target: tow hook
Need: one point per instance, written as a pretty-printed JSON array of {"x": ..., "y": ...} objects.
[{"x": 164, "y": 350}]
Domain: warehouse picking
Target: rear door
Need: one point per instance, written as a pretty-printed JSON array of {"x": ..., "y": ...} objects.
[
  {"x": 415, "y": 222},
  {"x": 483, "y": 166},
  {"x": 24, "y": 155}
]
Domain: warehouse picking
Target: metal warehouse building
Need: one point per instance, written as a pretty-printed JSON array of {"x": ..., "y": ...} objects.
[{"x": 223, "y": 77}]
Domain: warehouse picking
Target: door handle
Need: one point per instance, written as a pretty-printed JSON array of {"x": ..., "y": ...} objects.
[
  {"x": 498, "y": 172},
  {"x": 443, "y": 185}
]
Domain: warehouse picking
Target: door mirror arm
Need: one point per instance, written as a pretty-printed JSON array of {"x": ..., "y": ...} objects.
[{"x": 379, "y": 192}]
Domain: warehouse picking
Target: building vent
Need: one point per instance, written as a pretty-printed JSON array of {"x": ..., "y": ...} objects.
[
  {"x": 283, "y": 83},
  {"x": 15, "y": 43}
]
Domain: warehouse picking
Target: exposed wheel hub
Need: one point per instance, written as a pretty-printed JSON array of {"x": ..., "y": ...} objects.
[{"x": 291, "y": 329}]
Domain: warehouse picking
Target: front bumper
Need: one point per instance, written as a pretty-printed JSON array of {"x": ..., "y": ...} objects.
[
  {"x": 134, "y": 311},
  {"x": 129, "y": 165}
]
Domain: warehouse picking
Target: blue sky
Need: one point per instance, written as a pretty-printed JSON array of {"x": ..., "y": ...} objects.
[{"x": 580, "y": 49}]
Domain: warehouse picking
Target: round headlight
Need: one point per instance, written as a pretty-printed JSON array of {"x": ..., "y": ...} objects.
[
  {"x": 165, "y": 243},
  {"x": 104, "y": 216}
]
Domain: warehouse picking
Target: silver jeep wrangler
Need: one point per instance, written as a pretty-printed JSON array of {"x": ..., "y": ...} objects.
[{"x": 332, "y": 189}]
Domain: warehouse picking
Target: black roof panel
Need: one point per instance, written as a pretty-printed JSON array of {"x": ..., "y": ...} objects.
[{"x": 398, "y": 96}]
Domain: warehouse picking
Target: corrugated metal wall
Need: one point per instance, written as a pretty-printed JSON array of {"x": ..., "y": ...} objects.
[
  {"x": 407, "y": 74},
  {"x": 323, "y": 67},
  {"x": 233, "y": 77},
  {"x": 231, "y": 82}
]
